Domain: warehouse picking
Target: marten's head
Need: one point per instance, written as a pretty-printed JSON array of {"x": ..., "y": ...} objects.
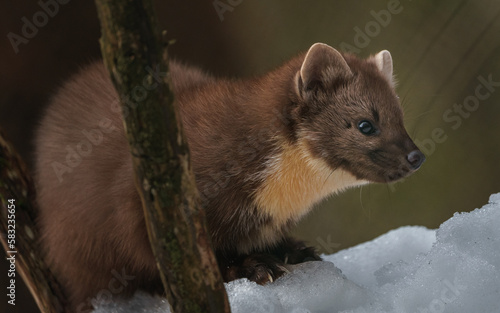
[{"x": 349, "y": 115}]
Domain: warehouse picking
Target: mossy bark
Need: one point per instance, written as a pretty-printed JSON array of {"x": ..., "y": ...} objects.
[
  {"x": 133, "y": 50},
  {"x": 19, "y": 234}
]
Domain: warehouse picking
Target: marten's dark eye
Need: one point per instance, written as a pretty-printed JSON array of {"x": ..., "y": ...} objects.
[{"x": 366, "y": 128}]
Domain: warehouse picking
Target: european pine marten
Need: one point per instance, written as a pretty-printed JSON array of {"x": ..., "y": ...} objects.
[{"x": 264, "y": 151}]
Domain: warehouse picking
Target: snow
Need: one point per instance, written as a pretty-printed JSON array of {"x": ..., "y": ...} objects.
[{"x": 411, "y": 269}]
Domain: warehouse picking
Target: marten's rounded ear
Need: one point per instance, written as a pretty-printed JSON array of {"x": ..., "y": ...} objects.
[
  {"x": 322, "y": 65},
  {"x": 383, "y": 60}
]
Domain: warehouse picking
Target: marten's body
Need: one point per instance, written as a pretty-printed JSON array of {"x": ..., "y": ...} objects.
[{"x": 263, "y": 150}]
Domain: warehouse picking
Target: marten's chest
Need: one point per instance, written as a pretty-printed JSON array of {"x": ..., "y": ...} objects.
[
  {"x": 295, "y": 181},
  {"x": 292, "y": 183}
]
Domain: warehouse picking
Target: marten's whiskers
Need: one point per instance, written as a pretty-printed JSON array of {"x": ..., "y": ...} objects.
[
  {"x": 361, "y": 202},
  {"x": 324, "y": 183}
]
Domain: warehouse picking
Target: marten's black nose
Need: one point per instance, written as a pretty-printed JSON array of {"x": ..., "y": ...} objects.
[{"x": 415, "y": 158}]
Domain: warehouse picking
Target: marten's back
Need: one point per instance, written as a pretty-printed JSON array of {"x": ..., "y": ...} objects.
[{"x": 90, "y": 212}]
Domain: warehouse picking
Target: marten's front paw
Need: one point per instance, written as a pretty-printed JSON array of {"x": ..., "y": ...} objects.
[
  {"x": 260, "y": 268},
  {"x": 293, "y": 251},
  {"x": 301, "y": 255}
]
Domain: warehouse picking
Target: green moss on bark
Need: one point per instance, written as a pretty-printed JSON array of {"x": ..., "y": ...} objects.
[{"x": 130, "y": 44}]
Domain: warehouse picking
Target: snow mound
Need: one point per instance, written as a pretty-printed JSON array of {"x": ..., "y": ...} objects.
[{"x": 410, "y": 269}]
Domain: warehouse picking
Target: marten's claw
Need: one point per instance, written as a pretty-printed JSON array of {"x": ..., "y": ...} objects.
[{"x": 260, "y": 268}]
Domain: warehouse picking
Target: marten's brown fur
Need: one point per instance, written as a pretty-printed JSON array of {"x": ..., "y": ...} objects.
[{"x": 264, "y": 151}]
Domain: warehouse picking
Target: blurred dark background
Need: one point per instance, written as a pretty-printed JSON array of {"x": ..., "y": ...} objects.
[{"x": 442, "y": 52}]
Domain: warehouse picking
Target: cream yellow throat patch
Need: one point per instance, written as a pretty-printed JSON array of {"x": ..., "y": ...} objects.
[{"x": 295, "y": 181}]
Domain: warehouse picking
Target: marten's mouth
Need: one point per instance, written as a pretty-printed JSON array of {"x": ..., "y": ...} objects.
[
  {"x": 391, "y": 168},
  {"x": 383, "y": 167},
  {"x": 384, "y": 175},
  {"x": 392, "y": 176},
  {"x": 378, "y": 173}
]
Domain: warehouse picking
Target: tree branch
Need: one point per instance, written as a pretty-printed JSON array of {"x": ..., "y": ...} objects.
[
  {"x": 131, "y": 45},
  {"x": 18, "y": 208}
]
